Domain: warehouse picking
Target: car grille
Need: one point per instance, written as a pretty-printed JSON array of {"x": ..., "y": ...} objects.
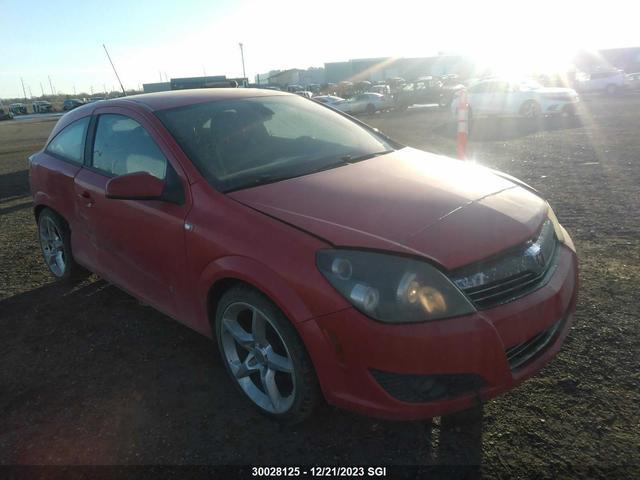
[
  {"x": 520, "y": 355},
  {"x": 511, "y": 275},
  {"x": 427, "y": 388},
  {"x": 497, "y": 293}
]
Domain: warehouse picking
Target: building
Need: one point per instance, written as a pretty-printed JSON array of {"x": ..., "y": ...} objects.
[
  {"x": 194, "y": 82},
  {"x": 297, "y": 76},
  {"x": 263, "y": 78},
  {"x": 384, "y": 68},
  {"x": 156, "y": 87}
]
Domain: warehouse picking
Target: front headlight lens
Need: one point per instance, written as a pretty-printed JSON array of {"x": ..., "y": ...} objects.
[{"x": 391, "y": 288}]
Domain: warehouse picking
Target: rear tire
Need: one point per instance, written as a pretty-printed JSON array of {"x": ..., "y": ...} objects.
[
  {"x": 264, "y": 356},
  {"x": 55, "y": 242},
  {"x": 371, "y": 109}
]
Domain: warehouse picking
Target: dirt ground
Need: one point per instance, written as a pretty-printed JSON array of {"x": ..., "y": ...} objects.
[{"x": 89, "y": 376}]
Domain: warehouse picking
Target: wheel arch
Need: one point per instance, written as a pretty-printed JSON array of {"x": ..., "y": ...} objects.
[
  {"x": 37, "y": 211},
  {"x": 227, "y": 272}
]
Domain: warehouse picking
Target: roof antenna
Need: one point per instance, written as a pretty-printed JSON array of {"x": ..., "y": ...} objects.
[{"x": 114, "y": 69}]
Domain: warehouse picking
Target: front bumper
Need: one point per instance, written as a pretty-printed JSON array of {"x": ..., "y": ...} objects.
[{"x": 349, "y": 350}]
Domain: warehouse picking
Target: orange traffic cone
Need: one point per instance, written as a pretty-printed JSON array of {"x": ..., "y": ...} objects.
[{"x": 463, "y": 125}]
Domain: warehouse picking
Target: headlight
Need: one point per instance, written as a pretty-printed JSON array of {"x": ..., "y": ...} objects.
[
  {"x": 391, "y": 288},
  {"x": 556, "y": 225}
]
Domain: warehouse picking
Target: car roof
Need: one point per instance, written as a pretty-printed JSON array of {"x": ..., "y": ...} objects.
[
  {"x": 164, "y": 100},
  {"x": 180, "y": 98}
]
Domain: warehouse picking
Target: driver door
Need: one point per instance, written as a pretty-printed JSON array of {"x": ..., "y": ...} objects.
[{"x": 137, "y": 244}]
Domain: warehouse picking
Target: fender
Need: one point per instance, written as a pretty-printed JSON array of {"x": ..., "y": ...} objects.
[
  {"x": 41, "y": 199},
  {"x": 253, "y": 273}
]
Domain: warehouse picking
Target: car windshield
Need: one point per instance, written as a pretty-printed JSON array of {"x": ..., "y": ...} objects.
[{"x": 237, "y": 144}]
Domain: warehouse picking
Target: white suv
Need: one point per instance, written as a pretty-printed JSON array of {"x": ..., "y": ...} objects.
[
  {"x": 609, "y": 81},
  {"x": 525, "y": 98}
]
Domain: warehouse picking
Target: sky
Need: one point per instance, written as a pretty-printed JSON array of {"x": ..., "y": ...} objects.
[{"x": 149, "y": 40}]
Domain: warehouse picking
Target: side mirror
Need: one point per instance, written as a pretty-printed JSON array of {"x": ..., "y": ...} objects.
[{"x": 135, "y": 186}]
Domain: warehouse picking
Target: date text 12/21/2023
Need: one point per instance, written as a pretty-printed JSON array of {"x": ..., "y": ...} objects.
[{"x": 319, "y": 471}]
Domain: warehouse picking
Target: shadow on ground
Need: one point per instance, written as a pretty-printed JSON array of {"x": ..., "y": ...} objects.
[
  {"x": 91, "y": 376},
  {"x": 14, "y": 184}
]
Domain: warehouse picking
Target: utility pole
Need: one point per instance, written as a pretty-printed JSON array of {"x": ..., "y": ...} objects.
[
  {"x": 114, "y": 69},
  {"x": 74, "y": 90},
  {"x": 24, "y": 92},
  {"x": 244, "y": 75},
  {"x": 50, "y": 84},
  {"x": 30, "y": 94},
  {"x": 41, "y": 89}
]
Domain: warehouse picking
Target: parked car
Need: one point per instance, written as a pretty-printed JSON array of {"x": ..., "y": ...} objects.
[
  {"x": 41, "y": 106},
  {"x": 5, "y": 114},
  {"x": 326, "y": 259},
  {"x": 330, "y": 100},
  {"x": 633, "y": 81},
  {"x": 602, "y": 81},
  {"x": 304, "y": 93},
  {"x": 71, "y": 103},
  {"x": 18, "y": 108},
  {"x": 368, "y": 103},
  {"x": 423, "y": 91},
  {"x": 525, "y": 98},
  {"x": 382, "y": 89}
]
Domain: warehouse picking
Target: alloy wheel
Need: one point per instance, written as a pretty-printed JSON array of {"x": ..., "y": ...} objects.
[
  {"x": 258, "y": 357},
  {"x": 531, "y": 110},
  {"x": 52, "y": 246}
]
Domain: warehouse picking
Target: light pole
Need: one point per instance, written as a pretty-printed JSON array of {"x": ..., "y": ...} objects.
[
  {"x": 24, "y": 92},
  {"x": 244, "y": 74}
]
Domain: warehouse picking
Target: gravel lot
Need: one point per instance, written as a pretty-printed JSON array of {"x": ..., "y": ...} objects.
[{"x": 90, "y": 376}]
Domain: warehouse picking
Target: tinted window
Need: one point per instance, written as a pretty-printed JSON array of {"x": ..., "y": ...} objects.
[
  {"x": 123, "y": 146},
  {"x": 240, "y": 143},
  {"x": 482, "y": 87},
  {"x": 69, "y": 143}
]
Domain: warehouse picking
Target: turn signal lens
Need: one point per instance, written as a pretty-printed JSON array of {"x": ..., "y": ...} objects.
[{"x": 556, "y": 225}]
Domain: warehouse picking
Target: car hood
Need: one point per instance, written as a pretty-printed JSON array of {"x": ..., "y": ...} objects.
[{"x": 407, "y": 201}]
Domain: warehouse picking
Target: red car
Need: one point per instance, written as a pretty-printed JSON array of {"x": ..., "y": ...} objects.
[{"x": 327, "y": 260}]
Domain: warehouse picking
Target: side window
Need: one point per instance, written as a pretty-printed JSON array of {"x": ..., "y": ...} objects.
[
  {"x": 69, "y": 143},
  {"x": 481, "y": 87},
  {"x": 123, "y": 146}
]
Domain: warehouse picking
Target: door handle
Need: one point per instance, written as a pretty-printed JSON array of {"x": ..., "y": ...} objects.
[{"x": 87, "y": 196}]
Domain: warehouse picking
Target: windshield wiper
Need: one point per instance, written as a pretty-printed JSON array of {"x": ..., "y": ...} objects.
[{"x": 366, "y": 156}]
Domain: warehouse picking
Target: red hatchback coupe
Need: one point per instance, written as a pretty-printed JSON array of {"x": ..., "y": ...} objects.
[{"x": 326, "y": 259}]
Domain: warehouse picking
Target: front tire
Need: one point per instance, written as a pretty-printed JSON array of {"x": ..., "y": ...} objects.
[
  {"x": 371, "y": 109},
  {"x": 55, "y": 242},
  {"x": 530, "y": 109},
  {"x": 264, "y": 356}
]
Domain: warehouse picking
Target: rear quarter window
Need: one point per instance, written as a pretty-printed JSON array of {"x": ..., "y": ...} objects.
[{"x": 69, "y": 142}]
